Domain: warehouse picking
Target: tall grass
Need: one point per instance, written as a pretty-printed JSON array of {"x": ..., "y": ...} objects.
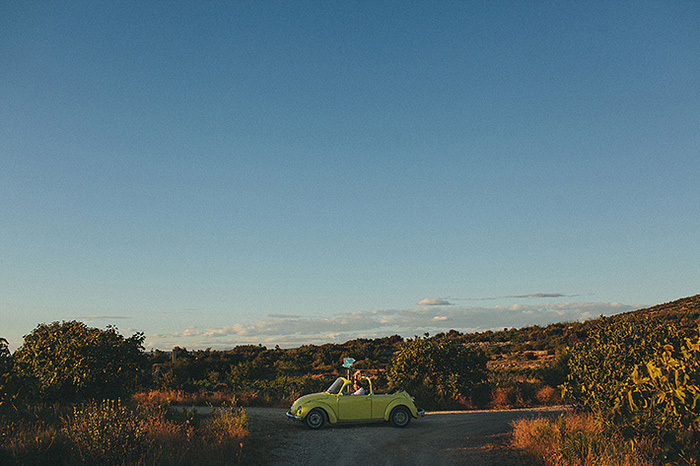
[
  {"x": 105, "y": 432},
  {"x": 113, "y": 432},
  {"x": 581, "y": 440},
  {"x": 182, "y": 397},
  {"x": 242, "y": 397}
]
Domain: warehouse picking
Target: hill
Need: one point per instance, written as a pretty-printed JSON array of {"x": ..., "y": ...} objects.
[
  {"x": 509, "y": 349},
  {"x": 683, "y": 313}
]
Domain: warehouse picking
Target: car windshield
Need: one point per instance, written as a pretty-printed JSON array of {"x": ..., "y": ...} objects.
[{"x": 334, "y": 389}]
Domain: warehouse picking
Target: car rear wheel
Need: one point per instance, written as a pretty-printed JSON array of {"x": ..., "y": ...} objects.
[
  {"x": 400, "y": 416},
  {"x": 315, "y": 419}
]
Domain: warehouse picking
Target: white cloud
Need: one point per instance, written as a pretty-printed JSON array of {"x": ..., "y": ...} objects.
[
  {"x": 292, "y": 331},
  {"x": 191, "y": 331},
  {"x": 434, "y": 302},
  {"x": 538, "y": 295},
  {"x": 521, "y": 296}
]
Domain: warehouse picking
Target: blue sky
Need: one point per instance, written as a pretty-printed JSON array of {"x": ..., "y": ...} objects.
[{"x": 217, "y": 173}]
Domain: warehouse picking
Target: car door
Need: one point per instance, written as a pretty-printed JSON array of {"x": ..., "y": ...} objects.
[{"x": 354, "y": 407}]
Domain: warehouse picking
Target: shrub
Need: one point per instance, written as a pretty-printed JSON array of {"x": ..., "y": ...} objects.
[
  {"x": 548, "y": 396},
  {"x": 555, "y": 374},
  {"x": 105, "y": 432},
  {"x": 226, "y": 431},
  {"x": 112, "y": 432},
  {"x": 663, "y": 397},
  {"x": 642, "y": 385},
  {"x": 6, "y": 374},
  {"x": 505, "y": 397},
  {"x": 600, "y": 365},
  {"x": 70, "y": 361},
  {"x": 580, "y": 440},
  {"x": 437, "y": 370},
  {"x": 181, "y": 397},
  {"x": 33, "y": 435}
]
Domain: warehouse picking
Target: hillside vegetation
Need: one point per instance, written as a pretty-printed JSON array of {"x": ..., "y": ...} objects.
[
  {"x": 521, "y": 363},
  {"x": 635, "y": 375},
  {"x": 636, "y": 381}
]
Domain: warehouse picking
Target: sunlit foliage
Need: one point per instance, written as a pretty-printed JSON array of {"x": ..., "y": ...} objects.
[
  {"x": 600, "y": 365},
  {"x": 71, "y": 361},
  {"x": 5, "y": 371},
  {"x": 437, "y": 369},
  {"x": 663, "y": 397}
]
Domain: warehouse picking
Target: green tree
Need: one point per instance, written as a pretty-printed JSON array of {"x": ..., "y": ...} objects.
[
  {"x": 6, "y": 373},
  {"x": 71, "y": 361},
  {"x": 662, "y": 397},
  {"x": 670, "y": 384},
  {"x": 603, "y": 363},
  {"x": 437, "y": 370},
  {"x": 4, "y": 351}
]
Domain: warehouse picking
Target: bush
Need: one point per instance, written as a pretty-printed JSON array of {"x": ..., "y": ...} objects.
[
  {"x": 184, "y": 437},
  {"x": 663, "y": 397},
  {"x": 548, "y": 396},
  {"x": 6, "y": 374},
  {"x": 580, "y": 440},
  {"x": 437, "y": 371},
  {"x": 180, "y": 397},
  {"x": 70, "y": 361},
  {"x": 555, "y": 374},
  {"x": 113, "y": 432},
  {"x": 603, "y": 363},
  {"x": 505, "y": 397},
  {"x": 225, "y": 431},
  {"x": 642, "y": 385},
  {"x": 33, "y": 435},
  {"x": 105, "y": 432}
]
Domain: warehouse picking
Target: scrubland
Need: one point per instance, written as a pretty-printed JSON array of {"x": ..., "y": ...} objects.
[{"x": 78, "y": 395}]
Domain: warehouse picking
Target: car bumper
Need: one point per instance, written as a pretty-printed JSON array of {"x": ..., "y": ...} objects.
[
  {"x": 293, "y": 417},
  {"x": 421, "y": 412}
]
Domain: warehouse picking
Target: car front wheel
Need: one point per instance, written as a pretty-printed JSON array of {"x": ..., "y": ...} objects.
[
  {"x": 400, "y": 416},
  {"x": 315, "y": 419}
]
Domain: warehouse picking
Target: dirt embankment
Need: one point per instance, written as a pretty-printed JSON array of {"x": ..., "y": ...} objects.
[{"x": 458, "y": 437}]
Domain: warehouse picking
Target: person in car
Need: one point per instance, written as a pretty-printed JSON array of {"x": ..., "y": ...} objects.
[{"x": 359, "y": 389}]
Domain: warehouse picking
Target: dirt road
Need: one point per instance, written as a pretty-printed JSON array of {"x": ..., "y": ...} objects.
[{"x": 461, "y": 437}]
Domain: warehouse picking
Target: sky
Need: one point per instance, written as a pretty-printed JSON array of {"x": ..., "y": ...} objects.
[{"x": 224, "y": 173}]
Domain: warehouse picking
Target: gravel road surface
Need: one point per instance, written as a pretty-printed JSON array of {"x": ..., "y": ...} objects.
[{"x": 457, "y": 437}]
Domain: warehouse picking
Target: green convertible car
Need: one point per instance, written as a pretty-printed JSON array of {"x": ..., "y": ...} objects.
[{"x": 338, "y": 404}]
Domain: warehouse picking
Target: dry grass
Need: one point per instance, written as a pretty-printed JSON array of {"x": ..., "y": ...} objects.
[
  {"x": 579, "y": 440},
  {"x": 115, "y": 433},
  {"x": 505, "y": 397},
  {"x": 244, "y": 397},
  {"x": 521, "y": 394},
  {"x": 548, "y": 396},
  {"x": 524, "y": 396},
  {"x": 181, "y": 397},
  {"x": 251, "y": 397}
]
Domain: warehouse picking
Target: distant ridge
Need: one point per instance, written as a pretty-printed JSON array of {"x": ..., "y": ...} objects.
[
  {"x": 512, "y": 353},
  {"x": 684, "y": 313}
]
